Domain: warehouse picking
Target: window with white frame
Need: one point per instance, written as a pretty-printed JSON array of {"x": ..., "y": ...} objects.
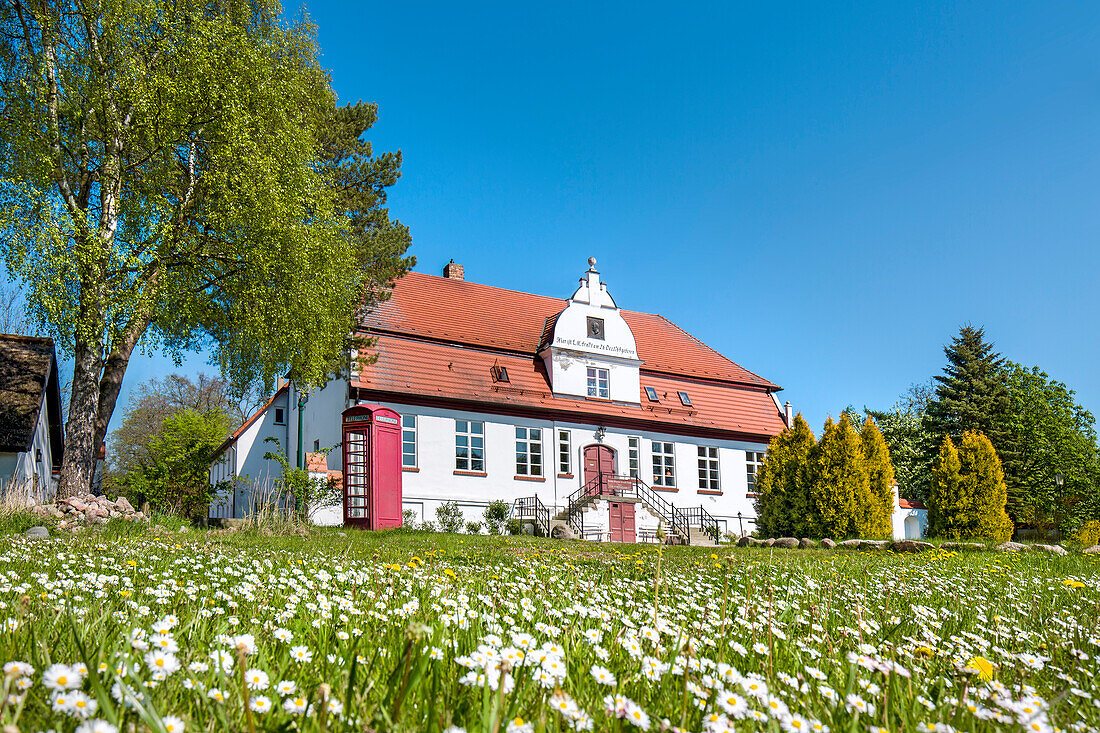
[
  {"x": 528, "y": 451},
  {"x": 708, "y": 468},
  {"x": 565, "y": 452},
  {"x": 599, "y": 383},
  {"x": 469, "y": 445},
  {"x": 633, "y": 453},
  {"x": 664, "y": 464},
  {"x": 753, "y": 461},
  {"x": 408, "y": 441}
]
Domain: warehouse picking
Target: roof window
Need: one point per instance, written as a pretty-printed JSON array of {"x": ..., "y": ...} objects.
[
  {"x": 500, "y": 374},
  {"x": 651, "y": 394},
  {"x": 684, "y": 399}
]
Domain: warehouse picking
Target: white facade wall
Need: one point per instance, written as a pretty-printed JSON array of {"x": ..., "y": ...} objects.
[
  {"x": 26, "y": 468},
  {"x": 434, "y": 481},
  {"x": 244, "y": 458}
]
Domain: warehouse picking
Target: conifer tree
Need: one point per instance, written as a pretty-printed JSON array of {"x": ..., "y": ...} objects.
[
  {"x": 972, "y": 392},
  {"x": 839, "y": 486},
  {"x": 984, "y": 480},
  {"x": 880, "y": 475},
  {"x": 968, "y": 494},
  {"x": 947, "y": 506},
  {"x": 782, "y": 503}
]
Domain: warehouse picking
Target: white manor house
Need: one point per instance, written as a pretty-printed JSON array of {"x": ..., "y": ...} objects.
[{"x": 579, "y": 414}]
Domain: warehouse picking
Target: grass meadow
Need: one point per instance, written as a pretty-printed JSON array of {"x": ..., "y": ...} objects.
[{"x": 129, "y": 629}]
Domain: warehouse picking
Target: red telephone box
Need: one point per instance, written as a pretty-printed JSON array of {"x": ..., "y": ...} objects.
[{"x": 372, "y": 467}]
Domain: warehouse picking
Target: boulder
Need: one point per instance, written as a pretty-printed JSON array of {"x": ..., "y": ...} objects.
[
  {"x": 962, "y": 546},
  {"x": 37, "y": 533},
  {"x": 806, "y": 543},
  {"x": 1010, "y": 547},
  {"x": 744, "y": 542},
  {"x": 114, "y": 514},
  {"x": 138, "y": 516},
  {"x": 828, "y": 544},
  {"x": 850, "y": 544},
  {"x": 123, "y": 505},
  {"x": 1094, "y": 550},
  {"x": 786, "y": 542},
  {"x": 561, "y": 532},
  {"x": 911, "y": 546},
  {"x": 1052, "y": 549},
  {"x": 874, "y": 544},
  {"x": 769, "y": 542}
]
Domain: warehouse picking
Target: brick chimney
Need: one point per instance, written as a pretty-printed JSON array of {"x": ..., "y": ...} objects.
[{"x": 451, "y": 271}]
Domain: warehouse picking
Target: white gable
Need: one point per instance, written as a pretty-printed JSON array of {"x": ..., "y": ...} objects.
[{"x": 591, "y": 334}]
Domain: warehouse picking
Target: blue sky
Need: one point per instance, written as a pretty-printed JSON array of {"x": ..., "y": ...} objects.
[{"x": 823, "y": 192}]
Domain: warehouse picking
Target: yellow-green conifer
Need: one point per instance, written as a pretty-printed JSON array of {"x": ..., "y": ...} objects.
[
  {"x": 839, "y": 487},
  {"x": 983, "y": 479},
  {"x": 880, "y": 475},
  {"x": 783, "y": 499}
]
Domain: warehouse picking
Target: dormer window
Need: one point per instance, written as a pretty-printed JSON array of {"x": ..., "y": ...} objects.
[
  {"x": 595, "y": 328},
  {"x": 599, "y": 383},
  {"x": 652, "y": 394},
  {"x": 684, "y": 399}
]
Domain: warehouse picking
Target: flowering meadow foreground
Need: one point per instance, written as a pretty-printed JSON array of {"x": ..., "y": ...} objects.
[{"x": 421, "y": 632}]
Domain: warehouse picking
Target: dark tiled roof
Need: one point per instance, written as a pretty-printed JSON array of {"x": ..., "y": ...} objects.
[{"x": 28, "y": 367}]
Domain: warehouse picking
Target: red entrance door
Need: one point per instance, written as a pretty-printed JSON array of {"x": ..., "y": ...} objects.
[
  {"x": 599, "y": 460},
  {"x": 622, "y": 521}
]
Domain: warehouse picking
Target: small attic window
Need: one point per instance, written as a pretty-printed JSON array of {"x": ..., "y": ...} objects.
[
  {"x": 280, "y": 417},
  {"x": 500, "y": 374},
  {"x": 651, "y": 394},
  {"x": 684, "y": 399}
]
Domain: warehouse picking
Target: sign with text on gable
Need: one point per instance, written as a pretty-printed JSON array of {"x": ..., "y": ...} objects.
[{"x": 590, "y": 345}]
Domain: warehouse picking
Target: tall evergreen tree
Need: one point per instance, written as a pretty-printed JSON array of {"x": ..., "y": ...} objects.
[
  {"x": 782, "y": 504},
  {"x": 971, "y": 394},
  {"x": 880, "y": 475},
  {"x": 839, "y": 486}
]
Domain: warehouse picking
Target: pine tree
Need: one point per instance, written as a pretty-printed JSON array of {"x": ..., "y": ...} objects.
[
  {"x": 971, "y": 394},
  {"x": 946, "y": 505},
  {"x": 839, "y": 486},
  {"x": 782, "y": 487},
  {"x": 880, "y": 474},
  {"x": 968, "y": 494}
]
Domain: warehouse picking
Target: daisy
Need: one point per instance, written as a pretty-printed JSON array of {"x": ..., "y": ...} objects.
[
  {"x": 172, "y": 724},
  {"x": 256, "y": 679},
  {"x": 301, "y": 654},
  {"x": 61, "y": 677},
  {"x": 260, "y": 703},
  {"x": 295, "y": 705}
]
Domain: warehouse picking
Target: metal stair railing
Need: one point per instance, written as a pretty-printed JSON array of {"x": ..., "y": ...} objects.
[
  {"x": 578, "y": 500},
  {"x": 530, "y": 507},
  {"x": 634, "y": 487},
  {"x": 701, "y": 518}
]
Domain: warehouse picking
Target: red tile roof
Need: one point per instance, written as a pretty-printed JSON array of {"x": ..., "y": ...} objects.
[
  {"x": 906, "y": 504},
  {"x": 415, "y": 370},
  {"x": 463, "y": 312}
]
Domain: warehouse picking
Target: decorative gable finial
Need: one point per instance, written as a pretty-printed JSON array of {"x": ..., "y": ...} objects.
[{"x": 591, "y": 264}]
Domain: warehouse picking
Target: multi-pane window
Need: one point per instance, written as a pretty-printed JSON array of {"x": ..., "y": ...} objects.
[
  {"x": 634, "y": 446},
  {"x": 708, "y": 468},
  {"x": 664, "y": 464},
  {"x": 753, "y": 461},
  {"x": 469, "y": 445},
  {"x": 408, "y": 441},
  {"x": 565, "y": 453},
  {"x": 598, "y": 383},
  {"x": 528, "y": 451}
]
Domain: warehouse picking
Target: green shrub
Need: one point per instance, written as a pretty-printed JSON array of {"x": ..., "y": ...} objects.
[
  {"x": 514, "y": 526},
  {"x": 496, "y": 514},
  {"x": 473, "y": 527},
  {"x": 449, "y": 516},
  {"x": 1088, "y": 534}
]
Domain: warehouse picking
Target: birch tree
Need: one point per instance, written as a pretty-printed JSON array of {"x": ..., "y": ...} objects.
[{"x": 163, "y": 186}]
